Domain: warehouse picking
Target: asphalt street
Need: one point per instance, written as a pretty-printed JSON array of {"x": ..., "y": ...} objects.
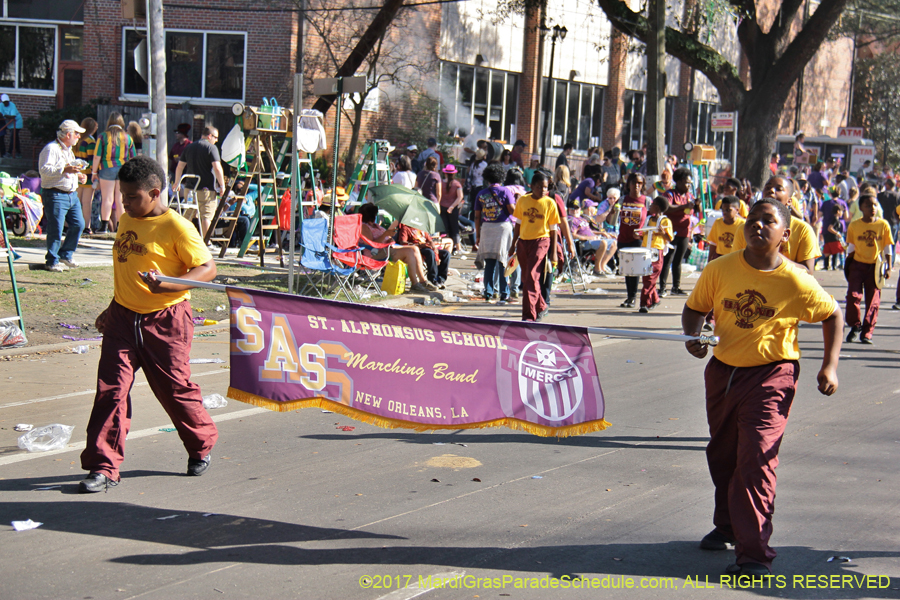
[{"x": 295, "y": 507}]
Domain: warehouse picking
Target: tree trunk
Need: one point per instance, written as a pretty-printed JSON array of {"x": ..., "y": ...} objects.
[
  {"x": 354, "y": 141},
  {"x": 757, "y": 131}
]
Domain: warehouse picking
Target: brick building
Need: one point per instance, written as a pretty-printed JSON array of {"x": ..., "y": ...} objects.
[{"x": 488, "y": 70}]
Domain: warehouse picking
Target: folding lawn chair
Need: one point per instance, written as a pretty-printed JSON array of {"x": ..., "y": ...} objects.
[
  {"x": 322, "y": 271},
  {"x": 347, "y": 236},
  {"x": 573, "y": 268}
]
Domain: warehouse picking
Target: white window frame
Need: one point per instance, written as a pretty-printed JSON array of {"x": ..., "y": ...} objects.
[
  {"x": 199, "y": 100},
  {"x": 17, "y": 23}
]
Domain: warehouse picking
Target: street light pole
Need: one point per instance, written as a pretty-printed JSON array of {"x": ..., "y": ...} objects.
[{"x": 558, "y": 32}]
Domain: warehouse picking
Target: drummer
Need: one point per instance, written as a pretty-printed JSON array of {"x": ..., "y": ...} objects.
[
  {"x": 632, "y": 216},
  {"x": 656, "y": 241}
]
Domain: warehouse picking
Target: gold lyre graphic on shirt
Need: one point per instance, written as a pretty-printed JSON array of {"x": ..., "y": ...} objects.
[
  {"x": 868, "y": 237},
  {"x": 126, "y": 245},
  {"x": 533, "y": 214},
  {"x": 748, "y": 307}
]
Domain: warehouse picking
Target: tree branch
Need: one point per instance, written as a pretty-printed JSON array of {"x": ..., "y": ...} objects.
[
  {"x": 715, "y": 66},
  {"x": 781, "y": 28}
]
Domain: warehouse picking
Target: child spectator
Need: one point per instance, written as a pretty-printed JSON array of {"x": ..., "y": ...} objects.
[
  {"x": 834, "y": 237},
  {"x": 758, "y": 298},
  {"x": 537, "y": 220},
  {"x": 148, "y": 326},
  {"x": 724, "y": 231},
  {"x": 657, "y": 242},
  {"x": 868, "y": 237}
]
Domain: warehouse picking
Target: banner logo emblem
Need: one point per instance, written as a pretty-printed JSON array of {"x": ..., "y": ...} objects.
[{"x": 550, "y": 384}]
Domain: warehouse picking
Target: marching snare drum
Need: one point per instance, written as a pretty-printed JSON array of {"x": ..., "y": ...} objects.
[{"x": 635, "y": 262}]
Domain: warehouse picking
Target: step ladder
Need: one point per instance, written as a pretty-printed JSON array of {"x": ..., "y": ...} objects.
[
  {"x": 10, "y": 257},
  {"x": 371, "y": 169}
]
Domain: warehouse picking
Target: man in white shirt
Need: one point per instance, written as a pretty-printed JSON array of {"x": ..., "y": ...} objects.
[{"x": 60, "y": 176}]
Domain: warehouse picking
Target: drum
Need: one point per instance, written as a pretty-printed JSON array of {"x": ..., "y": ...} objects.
[{"x": 635, "y": 262}]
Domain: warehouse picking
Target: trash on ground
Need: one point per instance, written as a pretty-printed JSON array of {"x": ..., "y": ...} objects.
[
  {"x": 629, "y": 361},
  {"x": 220, "y": 308},
  {"x": 537, "y": 477},
  {"x": 49, "y": 487},
  {"x": 214, "y": 401},
  {"x": 67, "y": 326},
  {"x": 845, "y": 559},
  {"x": 167, "y": 518},
  {"x": 210, "y": 514},
  {"x": 25, "y": 525},
  {"x": 438, "y": 444},
  {"x": 328, "y": 412},
  {"x": 11, "y": 336},
  {"x": 81, "y": 349},
  {"x": 476, "y": 479},
  {"x": 599, "y": 291},
  {"x": 167, "y": 429},
  {"x": 23, "y": 427},
  {"x": 346, "y": 428},
  {"x": 205, "y": 361},
  {"x": 86, "y": 281},
  {"x": 435, "y": 481},
  {"x": 49, "y": 437},
  {"x": 21, "y": 290},
  {"x": 75, "y": 339}
]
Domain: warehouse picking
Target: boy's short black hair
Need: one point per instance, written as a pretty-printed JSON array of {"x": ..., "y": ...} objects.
[
  {"x": 662, "y": 203},
  {"x": 493, "y": 173},
  {"x": 144, "y": 171},
  {"x": 681, "y": 174},
  {"x": 836, "y": 209},
  {"x": 865, "y": 197},
  {"x": 733, "y": 182},
  {"x": 538, "y": 177},
  {"x": 730, "y": 201},
  {"x": 783, "y": 211}
]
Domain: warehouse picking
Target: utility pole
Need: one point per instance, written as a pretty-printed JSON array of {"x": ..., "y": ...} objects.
[
  {"x": 656, "y": 88},
  {"x": 156, "y": 39},
  {"x": 296, "y": 181}
]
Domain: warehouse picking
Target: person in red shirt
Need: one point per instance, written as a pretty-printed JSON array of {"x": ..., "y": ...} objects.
[
  {"x": 632, "y": 216},
  {"x": 682, "y": 205}
]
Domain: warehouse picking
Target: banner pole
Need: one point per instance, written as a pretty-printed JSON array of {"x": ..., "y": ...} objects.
[
  {"x": 200, "y": 284},
  {"x": 712, "y": 340}
]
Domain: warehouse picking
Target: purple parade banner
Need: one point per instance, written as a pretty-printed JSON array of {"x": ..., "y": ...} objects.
[{"x": 401, "y": 368}]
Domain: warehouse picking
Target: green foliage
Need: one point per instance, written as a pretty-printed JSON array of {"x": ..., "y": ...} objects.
[
  {"x": 43, "y": 127},
  {"x": 876, "y": 103}
]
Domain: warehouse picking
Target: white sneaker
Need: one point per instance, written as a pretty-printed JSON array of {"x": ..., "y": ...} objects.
[
  {"x": 57, "y": 268},
  {"x": 69, "y": 263}
]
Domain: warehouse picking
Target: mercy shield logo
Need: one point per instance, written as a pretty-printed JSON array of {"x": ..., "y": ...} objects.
[{"x": 549, "y": 382}]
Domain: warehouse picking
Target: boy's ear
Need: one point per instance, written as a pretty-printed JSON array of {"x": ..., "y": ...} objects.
[
  {"x": 786, "y": 235},
  {"x": 154, "y": 193}
]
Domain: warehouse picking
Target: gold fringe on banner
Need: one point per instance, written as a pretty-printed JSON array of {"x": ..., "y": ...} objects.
[{"x": 387, "y": 423}]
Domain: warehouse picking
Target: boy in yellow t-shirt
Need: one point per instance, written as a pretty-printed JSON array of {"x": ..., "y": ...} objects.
[
  {"x": 868, "y": 238},
  {"x": 725, "y": 230},
  {"x": 759, "y": 298},
  {"x": 803, "y": 245},
  {"x": 731, "y": 187},
  {"x": 657, "y": 241},
  {"x": 535, "y": 216},
  {"x": 148, "y": 326}
]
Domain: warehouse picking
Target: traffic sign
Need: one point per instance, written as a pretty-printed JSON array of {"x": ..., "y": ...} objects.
[{"x": 723, "y": 121}]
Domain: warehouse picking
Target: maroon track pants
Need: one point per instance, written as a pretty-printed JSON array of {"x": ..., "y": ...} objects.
[
  {"x": 159, "y": 343},
  {"x": 861, "y": 279},
  {"x": 531, "y": 255},
  {"x": 747, "y": 410},
  {"x": 649, "y": 293}
]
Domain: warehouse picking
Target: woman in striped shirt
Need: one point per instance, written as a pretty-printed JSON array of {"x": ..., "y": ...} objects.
[
  {"x": 85, "y": 151},
  {"x": 114, "y": 149}
]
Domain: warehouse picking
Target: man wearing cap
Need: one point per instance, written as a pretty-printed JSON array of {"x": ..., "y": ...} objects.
[
  {"x": 15, "y": 123},
  {"x": 202, "y": 159},
  {"x": 182, "y": 141},
  {"x": 60, "y": 176}
]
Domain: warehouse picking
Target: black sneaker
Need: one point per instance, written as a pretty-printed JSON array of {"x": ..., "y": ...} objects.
[
  {"x": 707, "y": 327},
  {"x": 542, "y": 314},
  {"x": 716, "y": 540},
  {"x": 854, "y": 334},
  {"x": 198, "y": 466},
  {"x": 96, "y": 482},
  {"x": 679, "y": 292},
  {"x": 629, "y": 303},
  {"x": 749, "y": 569},
  {"x": 664, "y": 293},
  {"x": 644, "y": 309},
  {"x": 896, "y": 306},
  {"x": 867, "y": 341}
]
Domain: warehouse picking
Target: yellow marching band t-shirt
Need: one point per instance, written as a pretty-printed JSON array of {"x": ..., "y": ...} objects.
[
  {"x": 722, "y": 235},
  {"x": 869, "y": 239},
  {"x": 658, "y": 240},
  {"x": 803, "y": 244},
  {"x": 536, "y": 217},
  {"x": 757, "y": 312},
  {"x": 168, "y": 243}
]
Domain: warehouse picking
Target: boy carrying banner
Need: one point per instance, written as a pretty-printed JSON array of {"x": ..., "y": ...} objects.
[
  {"x": 148, "y": 326},
  {"x": 758, "y": 297}
]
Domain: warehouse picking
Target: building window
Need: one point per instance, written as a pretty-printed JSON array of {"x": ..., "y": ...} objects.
[
  {"x": 45, "y": 10},
  {"x": 577, "y": 115},
  {"x": 480, "y": 100},
  {"x": 199, "y": 65},
  {"x": 634, "y": 124},
  {"x": 701, "y": 116},
  {"x": 27, "y": 57}
]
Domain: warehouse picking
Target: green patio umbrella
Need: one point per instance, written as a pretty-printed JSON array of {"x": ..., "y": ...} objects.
[{"x": 409, "y": 207}]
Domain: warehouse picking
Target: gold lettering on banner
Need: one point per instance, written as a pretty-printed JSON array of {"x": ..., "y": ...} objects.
[
  {"x": 355, "y": 360},
  {"x": 441, "y": 372}
]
